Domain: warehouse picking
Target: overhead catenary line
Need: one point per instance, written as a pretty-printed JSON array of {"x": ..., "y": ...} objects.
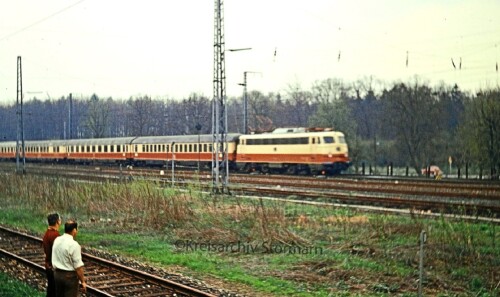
[{"x": 40, "y": 21}]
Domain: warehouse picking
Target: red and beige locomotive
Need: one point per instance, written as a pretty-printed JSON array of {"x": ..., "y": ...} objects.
[{"x": 285, "y": 150}]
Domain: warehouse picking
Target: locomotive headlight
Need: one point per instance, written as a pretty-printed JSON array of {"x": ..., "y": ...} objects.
[
  {"x": 338, "y": 148},
  {"x": 330, "y": 155}
]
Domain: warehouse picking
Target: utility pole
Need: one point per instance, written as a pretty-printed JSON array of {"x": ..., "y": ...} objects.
[
  {"x": 70, "y": 111},
  {"x": 20, "y": 126},
  {"x": 220, "y": 168},
  {"x": 245, "y": 101}
]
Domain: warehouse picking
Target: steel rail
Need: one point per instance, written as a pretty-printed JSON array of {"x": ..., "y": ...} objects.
[{"x": 177, "y": 288}]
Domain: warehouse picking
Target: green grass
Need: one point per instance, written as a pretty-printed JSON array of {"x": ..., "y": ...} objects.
[
  {"x": 11, "y": 287},
  {"x": 376, "y": 254},
  {"x": 158, "y": 251}
]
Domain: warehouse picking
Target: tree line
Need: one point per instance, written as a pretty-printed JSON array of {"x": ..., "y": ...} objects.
[{"x": 405, "y": 124}]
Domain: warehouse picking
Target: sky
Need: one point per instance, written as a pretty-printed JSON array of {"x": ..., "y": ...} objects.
[{"x": 164, "y": 48}]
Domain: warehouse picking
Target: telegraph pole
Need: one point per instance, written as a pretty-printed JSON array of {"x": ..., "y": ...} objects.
[
  {"x": 220, "y": 168},
  {"x": 20, "y": 126}
]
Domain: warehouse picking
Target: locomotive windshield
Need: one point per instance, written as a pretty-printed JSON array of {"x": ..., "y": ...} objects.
[{"x": 328, "y": 139}]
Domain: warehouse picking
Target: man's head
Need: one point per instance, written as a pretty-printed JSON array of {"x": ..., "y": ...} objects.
[
  {"x": 71, "y": 227},
  {"x": 53, "y": 219}
]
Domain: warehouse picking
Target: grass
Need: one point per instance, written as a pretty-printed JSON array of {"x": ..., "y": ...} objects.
[
  {"x": 13, "y": 288},
  {"x": 361, "y": 254}
]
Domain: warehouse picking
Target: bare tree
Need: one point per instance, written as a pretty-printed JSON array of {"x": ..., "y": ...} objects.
[
  {"x": 259, "y": 112},
  {"x": 97, "y": 120},
  {"x": 140, "y": 115},
  {"x": 411, "y": 113},
  {"x": 330, "y": 90},
  {"x": 483, "y": 135},
  {"x": 196, "y": 110},
  {"x": 302, "y": 105}
]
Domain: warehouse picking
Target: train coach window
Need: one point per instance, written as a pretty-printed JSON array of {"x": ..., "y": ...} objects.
[{"x": 341, "y": 139}]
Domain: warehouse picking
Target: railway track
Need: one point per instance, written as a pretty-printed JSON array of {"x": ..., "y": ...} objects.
[
  {"x": 104, "y": 277},
  {"x": 418, "y": 194}
]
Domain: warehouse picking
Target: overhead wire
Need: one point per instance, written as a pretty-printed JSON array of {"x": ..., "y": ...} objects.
[{"x": 40, "y": 21}]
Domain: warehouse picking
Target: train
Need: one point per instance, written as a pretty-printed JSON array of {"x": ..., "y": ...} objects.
[{"x": 305, "y": 151}]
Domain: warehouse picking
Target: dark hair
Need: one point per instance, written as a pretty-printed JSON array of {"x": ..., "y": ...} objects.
[
  {"x": 53, "y": 218},
  {"x": 70, "y": 225}
]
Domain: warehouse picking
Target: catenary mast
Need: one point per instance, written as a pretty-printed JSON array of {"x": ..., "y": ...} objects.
[{"x": 220, "y": 168}]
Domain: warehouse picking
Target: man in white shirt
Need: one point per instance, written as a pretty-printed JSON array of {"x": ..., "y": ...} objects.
[{"x": 67, "y": 262}]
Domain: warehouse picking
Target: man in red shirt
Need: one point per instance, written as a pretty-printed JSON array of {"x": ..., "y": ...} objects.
[{"x": 51, "y": 234}]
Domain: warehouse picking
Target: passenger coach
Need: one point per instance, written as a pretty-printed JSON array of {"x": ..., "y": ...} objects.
[{"x": 285, "y": 150}]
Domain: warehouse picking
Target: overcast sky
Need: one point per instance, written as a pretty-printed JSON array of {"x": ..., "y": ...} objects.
[{"x": 164, "y": 48}]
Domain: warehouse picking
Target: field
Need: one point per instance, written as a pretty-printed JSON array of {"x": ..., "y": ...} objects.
[{"x": 263, "y": 248}]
